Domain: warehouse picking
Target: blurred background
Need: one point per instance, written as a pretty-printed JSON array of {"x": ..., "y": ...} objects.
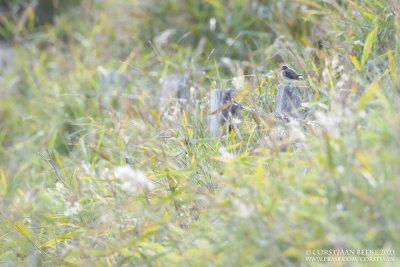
[{"x": 97, "y": 169}]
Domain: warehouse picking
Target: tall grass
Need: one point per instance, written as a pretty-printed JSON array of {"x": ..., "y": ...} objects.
[{"x": 80, "y": 99}]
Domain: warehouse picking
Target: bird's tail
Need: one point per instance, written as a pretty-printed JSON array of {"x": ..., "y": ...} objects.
[{"x": 302, "y": 76}]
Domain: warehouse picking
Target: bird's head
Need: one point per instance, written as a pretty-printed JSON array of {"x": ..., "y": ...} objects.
[{"x": 284, "y": 67}]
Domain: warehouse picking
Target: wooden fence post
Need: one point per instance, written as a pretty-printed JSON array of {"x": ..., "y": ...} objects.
[
  {"x": 216, "y": 99},
  {"x": 288, "y": 104},
  {"x": 219, "y": 117},
  {"x": 175, "y": 86},
  {"x": 289, "y": 99},
  {"x": 174, "y": 96},
  {"x": 110, "y": 81}
]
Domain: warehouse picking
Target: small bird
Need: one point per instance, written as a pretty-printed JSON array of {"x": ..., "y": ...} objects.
[{"x": 289, "y": 74}]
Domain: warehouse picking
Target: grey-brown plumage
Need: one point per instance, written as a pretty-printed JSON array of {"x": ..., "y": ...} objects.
[{"x": 289, "y": 74}]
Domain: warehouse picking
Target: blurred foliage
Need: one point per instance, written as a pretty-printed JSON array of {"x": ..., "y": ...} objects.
[
  {"x": 80, "y": 98},
  {"x": 22, "y": 16}
]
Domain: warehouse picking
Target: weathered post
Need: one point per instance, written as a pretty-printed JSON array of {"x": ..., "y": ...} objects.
[
  {"x": 289, "y": 99},
  {"x": 216, "y": 99},
  {"x": 223, "y": 110},
  {"x": 174, "y": 96},
  {"x": 175, "y": 86},
  {"x": 110, "y": 81}
]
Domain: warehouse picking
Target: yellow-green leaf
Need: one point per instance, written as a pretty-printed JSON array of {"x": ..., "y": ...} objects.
[
  {"x": 19, "y": 227},
  {"x": 52, "y": 139},
  {"x": 126, "y": 63},
  {"x": 61, "y": 164},
  {"x": 311, "y": 3},
  {"x": 363, "y": 161},
  {"x": 367, "y": 46},
  {"x": 392, "y": 66},
  {"x": 355, "y": 62},
  {"x": 3, "y": 180},
  {"x": 369, "y": 92},
  {"x": 233, "y": 136},
  {"x": 292, "y": 252},
  {"x": 60, "y": 237},
  {"x": 184, "y": 119}
]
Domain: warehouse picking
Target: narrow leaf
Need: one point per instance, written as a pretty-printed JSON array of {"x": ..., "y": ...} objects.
[
  {"x": 60, "y": 237},
  {"x": 126, "y": 63},
  {"x": 367, "y": 46},
  {"x": 363, "y": 161},
  {"x": 61, "y": 164},
  {"x": 369, "y": 92},
  {"x": 355, "y": 62},
  {"x": 3, "y": 180},
  {"x": 392, "y": 67},
  {"x": 311, "y": 3}
]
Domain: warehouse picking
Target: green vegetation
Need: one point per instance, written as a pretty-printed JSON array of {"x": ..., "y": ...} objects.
[
  {"x": 79, "y": 101},
  {"x": 19, "y": 17}
]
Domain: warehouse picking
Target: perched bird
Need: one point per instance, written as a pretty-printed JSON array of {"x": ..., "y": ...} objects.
[{"x": 289, "y": 74}]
